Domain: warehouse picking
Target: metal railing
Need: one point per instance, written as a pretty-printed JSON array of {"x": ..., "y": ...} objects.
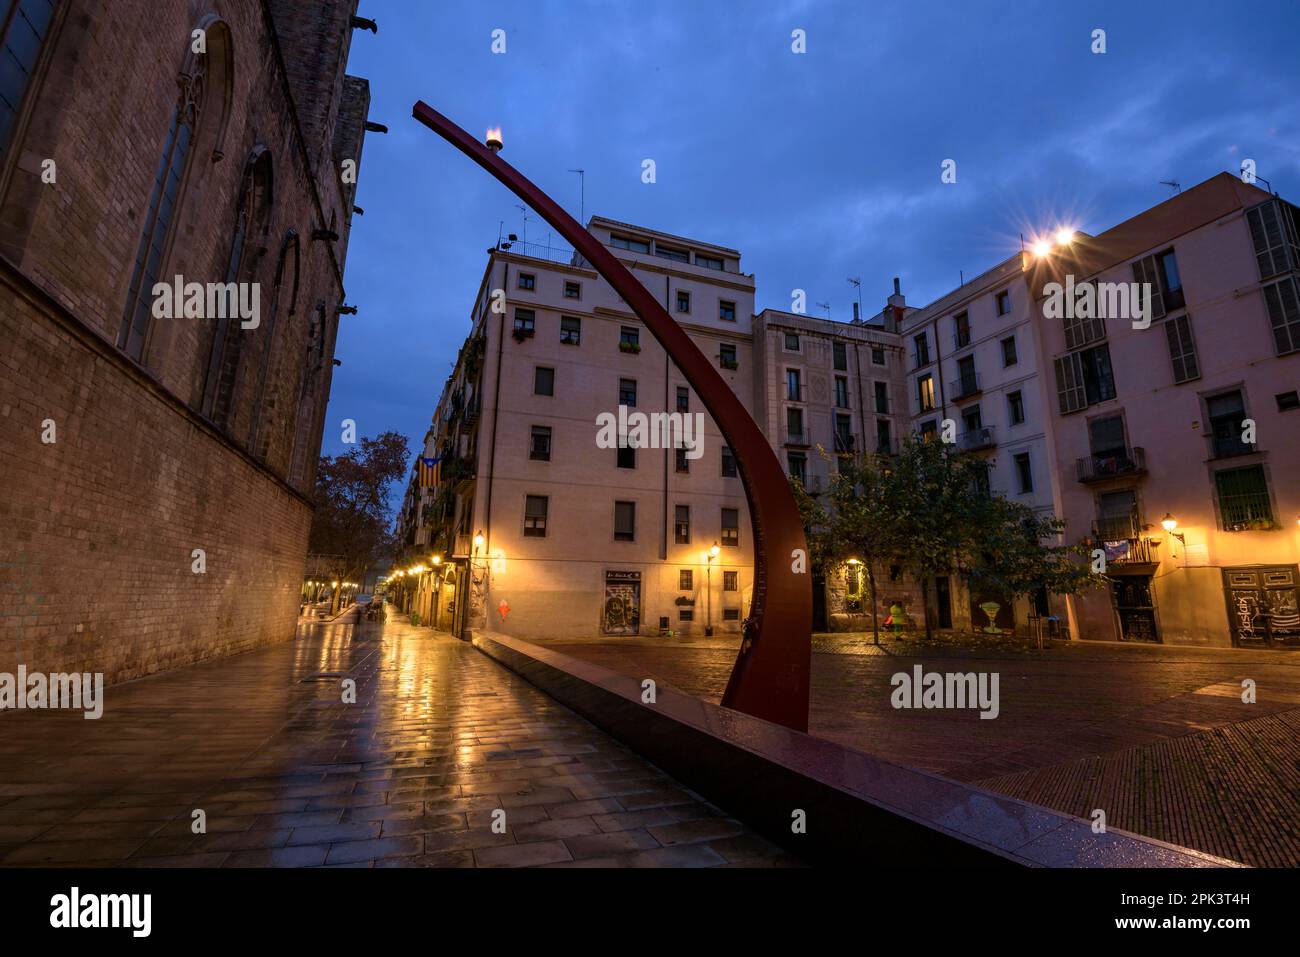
[
  {"x": 972, "y": 440},
  {"x": 965, "y": 385},
  {"x": 1111, "y": 464}
]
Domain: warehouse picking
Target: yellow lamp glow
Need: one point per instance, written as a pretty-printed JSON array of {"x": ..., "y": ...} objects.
[
  {"x": 1064, "y": 237},
  {"x": 1042, "y": 248},
  {"x": 1169, "y": 523},
  {"x": 714, "y": 550}
]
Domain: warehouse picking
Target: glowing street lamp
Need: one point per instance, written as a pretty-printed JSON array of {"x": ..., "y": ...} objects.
[
  {"x": 493, "y": 139},
  {"x": 1169, "y": 523},
  {"x": 1064, "y": 237},
  {"x": 478, "y": 541},
  {"x": 708, "y": 621}
]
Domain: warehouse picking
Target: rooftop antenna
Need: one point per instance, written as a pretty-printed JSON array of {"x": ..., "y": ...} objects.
[
  {"x": 582, "y": 186},
  {"x": 1173, "y": 184},
  {"x": 826, "y": 306},
  {"x": 856, "y": 282},
  {"x": 524, "y": 210}
]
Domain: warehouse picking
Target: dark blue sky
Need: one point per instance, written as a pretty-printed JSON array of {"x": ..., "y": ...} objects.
[{"x": 816, "y": 167}]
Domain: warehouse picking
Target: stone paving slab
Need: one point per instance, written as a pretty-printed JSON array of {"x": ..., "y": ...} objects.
[
  {"x": 411, "y": 775},
  {"x": 1156, "y": 736}
]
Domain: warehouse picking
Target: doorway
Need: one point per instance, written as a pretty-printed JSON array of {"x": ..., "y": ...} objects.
[
  {"x": 943, "y": 599},
  {"x": 1136, "y": 608}
]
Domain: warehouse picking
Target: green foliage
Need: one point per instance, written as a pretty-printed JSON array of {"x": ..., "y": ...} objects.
[{"x": 929, "y": 510}]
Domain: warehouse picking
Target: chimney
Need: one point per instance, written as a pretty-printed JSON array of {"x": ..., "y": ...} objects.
[
  {"x": 898, "y": 300},
  {"x": 856, "y": 319}
]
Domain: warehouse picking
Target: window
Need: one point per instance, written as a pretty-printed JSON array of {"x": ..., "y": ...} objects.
[
  {"x": 961, "y": 334},
  {"x": 877, "y": 356},
  {"x": 798, "y": 466},
  {"x": 840, "y": 353},
  {"x": 925, "y": 393},
  {"x": 1084, "y": 378},
  {"x": 731, "y": 614},
  {"x": 680, "y": 462},
  {"x": 20, "y": 48},
  {"x": 1024, "y": 473},
  {"x": 881, "y": 390},
  {"x": 535, "y": 508},
  {"x": 570, "y": 330},
  {"x": 682, "y": 525},
  {"x": 527, "y": 281},
  {"x": 708, "y": 262},
  {"x": 1016, "y": 408},
  {"x": 1283, "y": 302},
  {"x": 683, "y": 399},
  {"x": 972, "y": 420},
  {"x": 726, "y": 310},
  {"x": 685, "y": 614},
  {"x": 543, "y": 381},
  {"x": 685, "y": 580},
  {"x": 572, "y": 290},
  {"x": 1287, "y": 401},
  {"x": 1274, "y": 234},
  {"x": 1117, "y": 516},
  {"x": 1106, "y": 437},
  {"x": 630, "y": 244},
  {"x": 668, "y": 252},
  {"x": 540, "y": 447},
  {"x": 929, "y": 430},
  {"x": 1165, "y": 285},
  {"x": 884, "y": 443},
  {"x": 731, "y": 526},
  {"x": 171, "y": 169},
  {"x": 1009, "y": 357},
  {"x": 731, "y": 581},
  {"x": 525, "y": 323},
  {"x": 629, "y": 339},
  {"x": 1226, "y": 413},
  {"x": 794, "y": 426},
  {"x": 1243, "y": 499},
  {"x": 727, "y": 356},
  {"x": 683, "y": 301},
  {"x": 627, "y": 392},
  {"x": 1003, "y": 301},
  {"x": 728, "y": 462},
  {"x": 792, "y": 342},
  {"x": 1182, "y": 349},
  {"x": 626, "y": 458},
  {"x": 968, "y": 382},
  {"x": 841, "y": 392},
  {"x": 793, "y": 387},
  {"x": 922, "y": 354},
  {"x": 625, "y": 521}
]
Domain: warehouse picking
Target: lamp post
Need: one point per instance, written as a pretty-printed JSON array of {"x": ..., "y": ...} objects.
[{"x": 708, "y": 597}]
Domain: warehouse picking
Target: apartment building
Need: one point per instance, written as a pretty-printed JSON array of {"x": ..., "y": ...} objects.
[
  {"x": 974, "y": 379},
  {"x": 551, "y": 532},
  {"x": 1175, "y": 442},
  {"x": 824, "y": 390}
]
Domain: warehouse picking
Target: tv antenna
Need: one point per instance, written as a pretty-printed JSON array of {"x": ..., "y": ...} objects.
[
  {"x": 1173, "y": 184},
  {"x": 826, "y": 306},
  {"x": 856, "y": 283},
  {"x": 582, "y": 186},
  {"x": 524, "y": 211}
]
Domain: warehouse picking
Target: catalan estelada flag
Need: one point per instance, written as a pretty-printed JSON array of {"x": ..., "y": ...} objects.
[{"x": 428, "y": 470}]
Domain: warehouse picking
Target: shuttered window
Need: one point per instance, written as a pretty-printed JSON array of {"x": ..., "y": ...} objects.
[
  {"x": 1182, "y": 349},
  {"x": 1069, "y": 383},
  {"x": 1283, "y": 301},
  {"x": 1144, "y": 271},
  {"x": 1273, "y": 233}
]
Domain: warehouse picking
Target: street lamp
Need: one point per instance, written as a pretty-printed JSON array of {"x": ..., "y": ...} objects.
[
  {"x": 708, "y": 621},
  {"x": 478, "y": 540}
]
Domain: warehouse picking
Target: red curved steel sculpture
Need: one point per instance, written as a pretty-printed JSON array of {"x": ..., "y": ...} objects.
[{"x": 770, "y": 679}]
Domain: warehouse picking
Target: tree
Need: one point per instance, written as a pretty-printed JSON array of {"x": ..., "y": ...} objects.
[
  {"x": 857, "y": 522},
  {"x": 929, "y": 510},
  {"x": 352, "y": 518}
]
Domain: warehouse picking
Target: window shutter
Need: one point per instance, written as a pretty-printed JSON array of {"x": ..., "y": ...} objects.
[
  {"x": 1182, "y": 349},
  {"x": 1283, "y": 303},
  {"x": 1144, "y": 271},
  {"x": 1069, "y": 383},
  {"x": 1267, "y": 235}
]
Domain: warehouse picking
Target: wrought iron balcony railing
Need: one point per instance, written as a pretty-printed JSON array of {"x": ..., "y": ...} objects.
[{"x": 1115, "y": 463}]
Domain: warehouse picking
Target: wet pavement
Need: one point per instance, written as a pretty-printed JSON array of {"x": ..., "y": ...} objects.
[
  {"x": 1157, "y": 737},
  {"x": 440, "y": 743}
]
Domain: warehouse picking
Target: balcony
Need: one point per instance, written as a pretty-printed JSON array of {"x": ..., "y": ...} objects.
[
  {"x": 798, "y": 437},
  {"x": 975, "y": 440},
  {"x": 920, "y": 359},
  {"x": 796, "y": 393},
  {"x": 1131, "y": 551},
  {"x": 845, "y": 443},
  {"x": 966, "y": 386},
  {"x": 960, "y": 340},
  {"x": 1117, "y": 528},
  {"x": 1117, "y": 463}
]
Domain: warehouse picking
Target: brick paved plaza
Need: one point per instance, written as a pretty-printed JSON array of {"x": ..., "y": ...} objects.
[
  {"x": 288, "y": 775},
  {"x": 1156, "y": 737}
]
